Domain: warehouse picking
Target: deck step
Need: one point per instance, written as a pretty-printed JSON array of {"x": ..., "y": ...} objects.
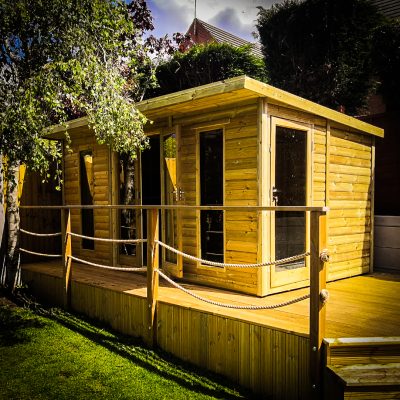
[
  {"x": 362, "y": 368},
  {"x": 363, "y": 381}
]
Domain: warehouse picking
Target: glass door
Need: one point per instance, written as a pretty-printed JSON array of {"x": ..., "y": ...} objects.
[
  {"x": 290, "y": 187},
  {"x": 150, "y": 163},
  {"x": 172, "y": 195},
  {"x": 129, "y": 225}
]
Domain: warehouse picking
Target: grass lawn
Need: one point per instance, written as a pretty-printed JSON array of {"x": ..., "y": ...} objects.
[{"x": 51, "y": 354}]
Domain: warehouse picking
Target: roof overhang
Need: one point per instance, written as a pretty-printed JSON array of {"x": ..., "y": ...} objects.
[
  {"x": 220, "y": 95},
  {"x": 58, "y": 131},
  {"x": 234, "y": 90}
]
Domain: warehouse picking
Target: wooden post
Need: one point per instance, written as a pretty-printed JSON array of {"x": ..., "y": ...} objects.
[
  {"x": 152, "y": 276},
  {"x": 318, "y": 249},
  {"x": 67, "y": 252}
]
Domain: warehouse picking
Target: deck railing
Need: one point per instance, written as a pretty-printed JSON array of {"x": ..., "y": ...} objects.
[{"x": 318, "y": 259}]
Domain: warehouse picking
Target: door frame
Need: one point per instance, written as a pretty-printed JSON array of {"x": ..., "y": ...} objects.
[
  {"x": 297, "y": 275},
  {"x": 119, "y": 259},
  {"x": 174, "y": 269}
]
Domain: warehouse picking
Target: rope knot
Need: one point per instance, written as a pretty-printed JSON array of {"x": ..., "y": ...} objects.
[
  {"x": 324, "y": 296},
  {"x": 324, "y": 256}
]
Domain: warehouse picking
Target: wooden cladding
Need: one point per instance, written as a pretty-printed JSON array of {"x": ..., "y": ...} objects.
[
  {"x": 336, "y": 171},
  {"x": 83, "y": 142},
  {"x": 349, "y": 190}
]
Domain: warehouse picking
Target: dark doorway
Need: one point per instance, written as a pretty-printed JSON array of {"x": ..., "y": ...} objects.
[{"x": 151, "y": 182}]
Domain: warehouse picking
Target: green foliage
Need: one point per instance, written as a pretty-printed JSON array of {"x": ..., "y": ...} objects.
[
  {"x": 321, "y": 49},
  {"x": 62, "y": 59},
  {"x": 170, "y": 147},
  {"x": 386, "y": 58},
  {"x": 206, "y": 63},
  {"x": 62, "y": 356}
]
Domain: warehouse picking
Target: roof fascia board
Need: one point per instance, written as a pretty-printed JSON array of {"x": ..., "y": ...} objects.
[
  {"x": 297, "y": 102},
  {"x": 192, "y": 94},
  {"x": 58, "y": 131},
  {"x": 231, "y": 85}
]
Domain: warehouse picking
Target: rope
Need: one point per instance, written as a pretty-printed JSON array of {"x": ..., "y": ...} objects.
[
  {"x": 218, "y": 264},
  {"x": 39, "y": 254},
  {"x": 40, "y": 234},
  {"x": 106, "y": 266},
  {"x": 108, "y": 240},
  {"x": 217, "y": 303}
]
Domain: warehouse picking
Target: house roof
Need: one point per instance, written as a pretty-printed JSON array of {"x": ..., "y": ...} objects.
[
  {"x": 222, "y": 94},
  {"x": 234, "y": 90},
  {"x": 221, "y": 36}
]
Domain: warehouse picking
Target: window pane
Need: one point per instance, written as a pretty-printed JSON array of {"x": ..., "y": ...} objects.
[
  {"x": 87, "y": 189},
  {"x": 291, "y": 185},
  {"x": 169, "y": 156},
  {"x": 127, "y": 195},
  {"x": 211, "y": 193}
]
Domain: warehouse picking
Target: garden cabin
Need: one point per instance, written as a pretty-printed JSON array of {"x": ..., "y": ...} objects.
[{"x": 238, "y": 142}]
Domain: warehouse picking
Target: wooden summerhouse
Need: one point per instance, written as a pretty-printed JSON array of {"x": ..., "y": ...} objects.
[{"x": 239, "y": 142}]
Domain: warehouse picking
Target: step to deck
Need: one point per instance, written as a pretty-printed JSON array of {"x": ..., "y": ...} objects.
[{"x": 362, "y": 368}]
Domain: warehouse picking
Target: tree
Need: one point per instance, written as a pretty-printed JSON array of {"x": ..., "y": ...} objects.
[
  {"x": 206, "y": 63},
  {"x": 61, "y": 59},
  {"x": 321, "y": 49},
  {"x": 386, "y": 59}
]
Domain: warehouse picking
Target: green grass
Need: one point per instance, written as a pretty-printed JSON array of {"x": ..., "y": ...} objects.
[{"x": 51, "y": 354}]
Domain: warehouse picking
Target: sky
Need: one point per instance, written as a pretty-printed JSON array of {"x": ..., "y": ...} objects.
[{"x": 234, "y": 16}]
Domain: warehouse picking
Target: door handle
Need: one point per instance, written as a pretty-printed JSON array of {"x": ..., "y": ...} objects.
[
  {"x": 179, "y": 194},
  {"x": 275, "y": 196}
]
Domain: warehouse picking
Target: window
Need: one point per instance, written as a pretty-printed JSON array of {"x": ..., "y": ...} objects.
[
  {"x": 211, "y": 193},
  {"x": 87, "y": 191}
]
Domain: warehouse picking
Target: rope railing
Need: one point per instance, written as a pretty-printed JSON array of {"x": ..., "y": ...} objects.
[
  {"x": 39, "y": 254},
  {"x": 125, "y": 269},
  {"x": 219, "y": 264},
  {"x": 130, "y": 241},
  {"x": 232, "y": 306},
  {"x": 127, "y": 241},
  {"x": 35, "y": 253},
  {"x": 318, "y": 258},
  {"x": 39, "y": 234}
]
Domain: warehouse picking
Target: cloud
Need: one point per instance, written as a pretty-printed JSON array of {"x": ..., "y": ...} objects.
[
  {"x": 171, "y": 16},
  {"x": 228, "y": 18},
  {"x": 236, "y": 16}
]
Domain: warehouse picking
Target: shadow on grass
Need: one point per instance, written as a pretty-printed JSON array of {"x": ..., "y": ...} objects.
[
  {"x": 14, "y": 326},
  {"x": 134, "y": 350}
]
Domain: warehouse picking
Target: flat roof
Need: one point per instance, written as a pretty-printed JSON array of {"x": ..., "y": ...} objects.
[
  {"x": 243, "y": 88},
  {"x": 222, "y": 93}
]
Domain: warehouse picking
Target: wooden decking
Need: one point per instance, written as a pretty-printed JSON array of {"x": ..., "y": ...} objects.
[{"x": 363, "y": 306}]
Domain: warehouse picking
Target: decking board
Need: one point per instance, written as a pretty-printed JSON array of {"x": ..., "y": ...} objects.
[{"x": 362, "y": 306}]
